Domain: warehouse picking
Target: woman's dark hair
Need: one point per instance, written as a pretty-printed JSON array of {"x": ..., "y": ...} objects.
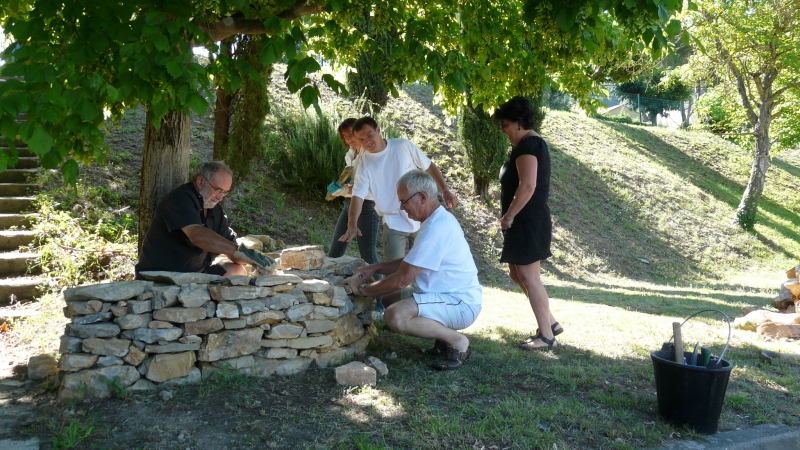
[
  {"x": 518, "y": 109},
  {"x": 347, "y": 124}
]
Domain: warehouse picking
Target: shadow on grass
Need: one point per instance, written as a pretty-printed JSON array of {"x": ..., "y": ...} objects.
[
  {"x": 502, "y": 397},
  {"x": 786, "y": 166},
  {"x": 604, "y": 224},
  {"x": 711, "y": 181}
]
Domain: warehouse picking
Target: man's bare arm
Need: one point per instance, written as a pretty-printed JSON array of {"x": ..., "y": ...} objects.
[{"x": 209, "y": 240}]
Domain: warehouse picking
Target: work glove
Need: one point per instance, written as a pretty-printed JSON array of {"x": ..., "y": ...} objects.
[
  {"x": 334, "y": 187},
  {"x": 253, "y": 257}
]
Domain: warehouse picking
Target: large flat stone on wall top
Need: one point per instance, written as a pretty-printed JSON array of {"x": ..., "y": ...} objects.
[
  {"x": 107, "y": 292},
  {"x": 168, "y": 366},
  {"x": 231, "y": 344},
  {"x": 227, "y": 293},
  {"x": 181, "y": 278},
  {"x": 275, "y": 280},
  {"x": 308, "y": 257}
]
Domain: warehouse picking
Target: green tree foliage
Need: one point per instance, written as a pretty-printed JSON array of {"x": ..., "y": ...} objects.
[
  {"x": 249, "y": 107},
  {"x": 86, "y": 59},
  {"x": 655, "y": 94},
  {"x": 367, "y": 79},
  {"x": 752, "y": 46},
  {"x": 486, "y": 147}
]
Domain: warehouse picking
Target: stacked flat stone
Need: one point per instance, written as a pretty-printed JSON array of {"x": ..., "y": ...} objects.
[{"x": 180, "y": 328}]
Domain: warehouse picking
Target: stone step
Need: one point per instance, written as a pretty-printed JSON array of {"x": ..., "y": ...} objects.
[
  {"x": 13, "y": 240},
  {"x": 17, "y": 142},
  {"x": 21, "y": 151},
  {"x": 17, "y": 263},
  {"x": 11, "y": 205},
  {"x": 10, "y": 314},
  {"x": 17, "y": 175},
  {"x": 23, "y": 288},
  {"x": 16, "y": 220},
  {"x": 27, "y": 162},
  {"x": 17, "y": 189}
]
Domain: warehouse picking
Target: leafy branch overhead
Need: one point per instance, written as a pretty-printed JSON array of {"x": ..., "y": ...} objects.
[{"x": 86, "y": 61}]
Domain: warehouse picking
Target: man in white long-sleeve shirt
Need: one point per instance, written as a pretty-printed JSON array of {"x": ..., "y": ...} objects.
[{"x": 386, "y": 161}]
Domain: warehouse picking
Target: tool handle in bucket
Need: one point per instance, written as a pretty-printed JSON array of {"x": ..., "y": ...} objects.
[{"x": 727, "y": 319}]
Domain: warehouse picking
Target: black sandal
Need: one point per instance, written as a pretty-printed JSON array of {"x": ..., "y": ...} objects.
[
  {"x": 453, "y": 359},
  {"x": 553, "y": 328},
  {"x": 528, "y": 343}
]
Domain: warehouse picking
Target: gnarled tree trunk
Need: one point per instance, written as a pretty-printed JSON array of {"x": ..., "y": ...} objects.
[
  {"x": 222, "y": 122},
  {"x": 748, "y": 207},
  {"x": 165, "y": 164}
]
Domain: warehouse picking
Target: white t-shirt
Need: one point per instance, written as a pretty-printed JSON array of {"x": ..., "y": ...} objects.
[
  {"x": 378, "y": 174},
  {"x": 442, "y": 252}
]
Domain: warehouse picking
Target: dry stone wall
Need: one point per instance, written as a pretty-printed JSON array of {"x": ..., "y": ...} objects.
[{"x": 180, "y": 328}]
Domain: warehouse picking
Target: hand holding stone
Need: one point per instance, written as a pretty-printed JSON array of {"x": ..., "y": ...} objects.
[{"x": 253, "y": 257}]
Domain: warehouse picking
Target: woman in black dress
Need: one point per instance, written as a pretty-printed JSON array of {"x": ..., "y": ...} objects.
[{"x": 526, "y": 224}]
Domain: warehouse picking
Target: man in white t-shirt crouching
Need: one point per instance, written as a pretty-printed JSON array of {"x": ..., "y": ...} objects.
[
  {"x": 446, "y": 294},
  {"x": 384, "y": 163}
]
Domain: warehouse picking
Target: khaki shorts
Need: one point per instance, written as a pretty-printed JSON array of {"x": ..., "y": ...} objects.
[{"x": 446, "y": 309}]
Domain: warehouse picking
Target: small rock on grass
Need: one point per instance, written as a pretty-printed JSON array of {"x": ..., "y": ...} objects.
[
  {"x": 356, "y": 374},
  {"x": 165, "y": 395},
  {"x": 378, "y": 365}
]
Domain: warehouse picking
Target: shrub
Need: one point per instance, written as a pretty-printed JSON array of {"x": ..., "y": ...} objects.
[
  {"x": 313, "y": 155},
  {"x": 485, "y": 146}
]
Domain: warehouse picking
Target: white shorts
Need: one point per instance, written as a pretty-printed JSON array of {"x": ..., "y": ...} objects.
[{"x": 447, "y": 309}]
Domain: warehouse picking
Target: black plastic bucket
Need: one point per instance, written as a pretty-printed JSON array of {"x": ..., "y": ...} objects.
[{"x": 691, "y": 395}]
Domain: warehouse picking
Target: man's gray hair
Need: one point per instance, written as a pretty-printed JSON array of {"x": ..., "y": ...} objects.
[
  {"x": 208, "y": 169},
  {"x": 419, "y": 181}
]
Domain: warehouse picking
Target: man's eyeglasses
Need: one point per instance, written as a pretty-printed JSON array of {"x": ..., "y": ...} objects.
[
  {"x": 217, "y": 191},
  {"x": 403, "y": 202}
]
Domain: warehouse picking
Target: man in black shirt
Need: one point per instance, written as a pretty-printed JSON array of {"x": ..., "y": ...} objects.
[{"x": 189, "y": 229}]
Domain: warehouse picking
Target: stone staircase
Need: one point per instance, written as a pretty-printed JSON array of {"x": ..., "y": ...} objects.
[{"x": 16, "y": 206}]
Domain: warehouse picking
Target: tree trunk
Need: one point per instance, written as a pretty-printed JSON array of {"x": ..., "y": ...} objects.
[
  {"x": 746, "y": 212},
  {"x": 481, "y": 187},
  {"x": 165, "y": 164},
  {"x": 222, "y": 122}
]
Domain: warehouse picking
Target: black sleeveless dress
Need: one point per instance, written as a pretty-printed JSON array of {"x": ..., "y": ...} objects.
[{"x": 528, "y": 238}]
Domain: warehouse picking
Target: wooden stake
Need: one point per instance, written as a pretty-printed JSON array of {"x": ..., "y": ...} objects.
[{"x": 676, "y": 332}]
